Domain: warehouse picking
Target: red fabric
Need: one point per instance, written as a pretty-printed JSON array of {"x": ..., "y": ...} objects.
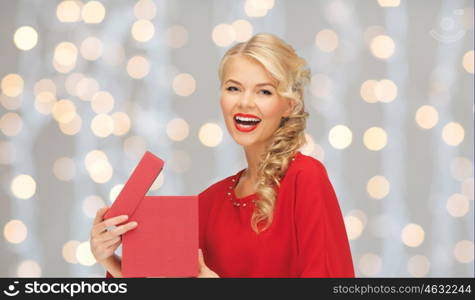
[
  {"x": 163, "y": 220},
  {"x": 306, "y": 239}
]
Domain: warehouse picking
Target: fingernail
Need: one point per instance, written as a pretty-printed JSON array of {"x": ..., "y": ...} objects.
[
  {"x": 134, "y": 223},
  {"x": 125, "y": 217}
]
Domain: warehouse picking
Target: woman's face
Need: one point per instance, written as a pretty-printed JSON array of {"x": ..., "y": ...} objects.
[{"x": 251, "y": 107}]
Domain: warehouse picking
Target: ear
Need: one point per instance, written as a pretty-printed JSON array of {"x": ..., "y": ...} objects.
[{"x": 290, "y": 103}]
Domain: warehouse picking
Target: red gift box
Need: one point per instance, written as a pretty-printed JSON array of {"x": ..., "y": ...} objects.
[{"x": 165, "y": 242}]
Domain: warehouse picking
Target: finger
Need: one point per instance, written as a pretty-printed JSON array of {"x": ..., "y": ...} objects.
[
  {"x": 124, "y": 228},
  {"x": 105, "y": 249},
  {"x": 100, "y": 214},
  {"x": 111, "y": 242},
  {"x": 105, "y": 237},
  {"x": 201, "y": 260},
  {"x": 115, "y": 220},
  {"x": 101, "y": 227},
  {"x": 116, "y": 232},
  {"x": 98, "y": 229},
  {"x": 114, "y": 246}
]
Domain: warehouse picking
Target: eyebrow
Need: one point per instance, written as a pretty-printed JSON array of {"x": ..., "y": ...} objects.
[{"x": 259, "y": 84}]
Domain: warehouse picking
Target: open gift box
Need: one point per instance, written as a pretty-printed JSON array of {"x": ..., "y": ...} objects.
[{"x": 165, "y": 242}]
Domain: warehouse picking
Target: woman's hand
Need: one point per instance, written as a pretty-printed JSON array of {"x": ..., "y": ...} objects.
[
  {"x": 105, "y": 242},
  {"x": 205, "y": 272}
]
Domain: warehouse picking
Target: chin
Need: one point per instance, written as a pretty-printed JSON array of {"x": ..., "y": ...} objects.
[
  {"x": 251, "y": 141},
  {"x": 245, "y": 142}
]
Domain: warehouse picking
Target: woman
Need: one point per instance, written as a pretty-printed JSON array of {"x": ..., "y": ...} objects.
[{"x": 279, "y": 217}]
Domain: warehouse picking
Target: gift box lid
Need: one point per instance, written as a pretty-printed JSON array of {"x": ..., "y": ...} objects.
[{"x": 136, "y": 186}]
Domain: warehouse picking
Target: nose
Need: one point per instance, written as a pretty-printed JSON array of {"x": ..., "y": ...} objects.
[{"x": 247, "y": 100}]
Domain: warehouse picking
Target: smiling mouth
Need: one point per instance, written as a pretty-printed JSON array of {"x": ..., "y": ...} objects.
[
  {"x": 245, "y": 124},
  {"x": 246, "y": 121}
]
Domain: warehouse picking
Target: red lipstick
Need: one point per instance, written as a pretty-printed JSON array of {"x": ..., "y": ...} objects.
[{"x": 246, "y": 122}]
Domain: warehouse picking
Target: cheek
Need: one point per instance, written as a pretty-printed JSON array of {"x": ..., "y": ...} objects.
[
  {"x": 272, "y": 111},
  {"x": 224, "y": 104}
]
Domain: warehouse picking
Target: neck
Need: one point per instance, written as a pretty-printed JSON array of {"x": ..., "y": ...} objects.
[{"x": 253, "y": 157}]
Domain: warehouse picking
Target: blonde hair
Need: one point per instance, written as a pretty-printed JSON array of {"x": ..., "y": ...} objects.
[{"x": 292, "y": 74}]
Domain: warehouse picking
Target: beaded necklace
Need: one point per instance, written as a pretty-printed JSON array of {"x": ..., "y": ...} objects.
[{"x": 231, "y": 195}]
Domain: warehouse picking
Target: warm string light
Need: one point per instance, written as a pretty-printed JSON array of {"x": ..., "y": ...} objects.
[
  {"x": 326, "y": 40},
  {"x": 210, "y": 134},
  {"x": 178, "y": 129},
  {"x": 184, "y": 84},
  {"x": 258, "y": 8},
  {"x": 224, "y": 35}
]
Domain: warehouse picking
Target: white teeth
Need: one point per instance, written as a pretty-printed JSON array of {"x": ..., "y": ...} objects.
[{"x": 247, "y": 119}]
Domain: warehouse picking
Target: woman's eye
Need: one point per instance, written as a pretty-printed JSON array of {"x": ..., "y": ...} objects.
[
  {"x": 266, "y": 92},
  {"x": 233, "y": 88},
  {"x": 230, "y": 88}
]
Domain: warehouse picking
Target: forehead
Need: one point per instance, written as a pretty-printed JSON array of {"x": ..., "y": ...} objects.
[{"x": 247, "y": 71}]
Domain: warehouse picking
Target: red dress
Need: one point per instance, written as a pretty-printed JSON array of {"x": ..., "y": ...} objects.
[{"x": 307, "y": 237}]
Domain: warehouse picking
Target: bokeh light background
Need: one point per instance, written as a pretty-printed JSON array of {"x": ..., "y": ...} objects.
[{"x": 88, "y": 86}]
